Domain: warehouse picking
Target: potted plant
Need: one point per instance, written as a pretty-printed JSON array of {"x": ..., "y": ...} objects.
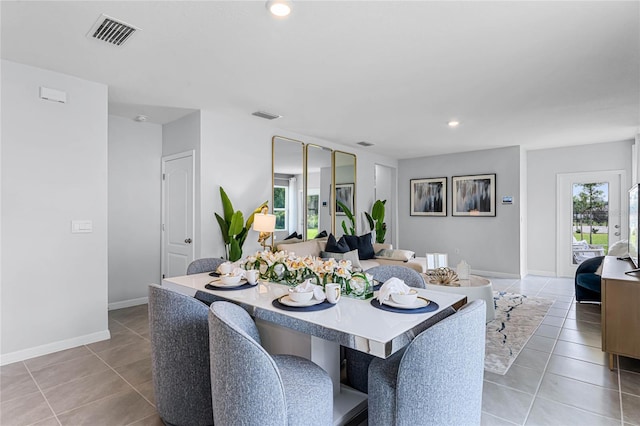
[
  {"x": 233, "y": 228},
  {"x": 376, "y": 220}
]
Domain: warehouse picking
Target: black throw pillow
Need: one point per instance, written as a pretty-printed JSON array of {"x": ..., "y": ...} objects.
[
  {"x": 294, "y": 235},
  {"x": 334, "y": 246},
  {"x": 362, "y": 243},
  {"x": 322, "y": 235}
]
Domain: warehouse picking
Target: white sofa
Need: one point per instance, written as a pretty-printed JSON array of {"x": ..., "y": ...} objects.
[{"x": 314, "y": 247}]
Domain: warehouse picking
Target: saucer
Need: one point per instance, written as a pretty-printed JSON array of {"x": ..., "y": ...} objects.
[
  {"x": 218, "y": 283},
  {"x": 286, "y": 300},
  {"x": 420, "y": 302}
]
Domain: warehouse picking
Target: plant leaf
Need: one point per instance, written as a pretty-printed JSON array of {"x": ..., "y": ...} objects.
[
  {"x": 235, "y": 252},
  {"x": 377, "y": 212},
  {"x": 226, "y": 206},
  {"x": 370, "y": 220},
  {"x": 224, "y": 228},
  {"x": 344, "y": 228},
  {"x": 237, "y": 222}
]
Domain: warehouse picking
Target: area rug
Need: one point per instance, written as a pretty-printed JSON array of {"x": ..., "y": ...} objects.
[{"x": 517, "y": 318}]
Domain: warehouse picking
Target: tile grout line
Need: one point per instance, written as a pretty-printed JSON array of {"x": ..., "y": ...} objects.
[
  {"x": 620, "y": 390},
  {"x": 125, "y": 380},
  {"x": 43, "y": 395}
]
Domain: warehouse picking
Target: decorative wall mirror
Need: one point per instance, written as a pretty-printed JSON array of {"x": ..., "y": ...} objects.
[
  {"x": 318, "y": 195},
  {"x": 288, "y": 186},
  {"x": 344, "y": 177}
]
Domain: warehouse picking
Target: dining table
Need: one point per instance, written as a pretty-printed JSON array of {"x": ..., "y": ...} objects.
[{"x": 317, "y": 335}]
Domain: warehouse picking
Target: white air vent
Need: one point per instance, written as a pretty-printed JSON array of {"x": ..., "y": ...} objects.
[
  {"x": 364, "y": 143},
  {"x": 266, "y": 115},
  {"x": 111, "y": 30}
]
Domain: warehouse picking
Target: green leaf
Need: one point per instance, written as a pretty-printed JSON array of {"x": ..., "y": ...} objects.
[
  {"x": 377, "y": 212},
  {"x": 226, "y": 206},
  {"x": 235, "y": 252},
  {"x": 255, "y": 212},
  {"x": 344, "y": 228},
  {"x": 370, "y": 220},
  {"x": 224, "y": 228},
  {"x": 237, "y": 222}
]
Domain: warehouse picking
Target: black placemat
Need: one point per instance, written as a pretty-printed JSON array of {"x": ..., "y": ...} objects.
[
  {"x": 241, "y": 287},
  {"x": 319, "y": 307},
  {"x": 433, "y": 306}
]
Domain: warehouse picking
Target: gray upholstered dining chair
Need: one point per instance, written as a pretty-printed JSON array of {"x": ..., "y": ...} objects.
[
  {"x": 437, "y": 378},
  {"x": 357, "y": 363},
  {"x": 206, "y": 264},
  {"x": 179, "y": 331},
  {"x": 411, "y": 277},
  {"x": 253, "y": 387}
]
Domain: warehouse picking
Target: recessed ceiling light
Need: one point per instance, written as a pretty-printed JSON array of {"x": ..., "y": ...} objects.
[
  {"x": 364, "y": 143},
  {"x": 453, "y": 123},
  {"x": 141, "y": 118},
  {"x": 279, "y": 8}
]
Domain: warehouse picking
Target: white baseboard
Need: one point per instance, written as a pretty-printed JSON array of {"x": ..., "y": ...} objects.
[
  {"x": 21, "y": 355},
  {"x": 542, "y": 273},
  {"x": 128, "y": 303},
  {"x": 495, "y": 274}
]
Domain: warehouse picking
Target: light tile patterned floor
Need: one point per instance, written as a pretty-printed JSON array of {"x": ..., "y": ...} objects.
[{"x": 559, "y": 378}]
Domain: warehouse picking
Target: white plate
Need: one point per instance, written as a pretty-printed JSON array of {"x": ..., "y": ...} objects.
[
  {"x": 286, "y": 300},
  {"x": 218, "y": 283},
  {"x": 420, "y": 302}
]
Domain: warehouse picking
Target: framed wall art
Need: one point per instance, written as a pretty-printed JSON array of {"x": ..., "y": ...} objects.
[
  {"x": 429, "y": 197},
  {"x": 474, "y": 195},
  {"x": 344, "y": 194}
]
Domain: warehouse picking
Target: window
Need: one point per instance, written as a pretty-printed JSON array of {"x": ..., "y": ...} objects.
[{"x": 280, "y": 206}]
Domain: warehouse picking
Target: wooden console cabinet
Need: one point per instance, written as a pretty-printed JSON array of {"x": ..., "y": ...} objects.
[{"x": 620, "y": 309}]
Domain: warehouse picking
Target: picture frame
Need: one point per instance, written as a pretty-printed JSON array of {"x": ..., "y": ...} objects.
[
  {"x": 344, "y": 194},
  {"x": 473, "y": 195},
  {"x": 429, "y": 197}
]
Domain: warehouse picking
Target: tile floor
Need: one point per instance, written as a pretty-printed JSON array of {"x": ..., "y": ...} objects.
[{"x": 560, "y": 377}]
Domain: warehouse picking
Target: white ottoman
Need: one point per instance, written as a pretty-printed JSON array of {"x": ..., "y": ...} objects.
[{"x": 474, "y": 288}]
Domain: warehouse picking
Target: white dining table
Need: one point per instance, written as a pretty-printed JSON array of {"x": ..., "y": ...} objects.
[{"x": 317, "y": 335}]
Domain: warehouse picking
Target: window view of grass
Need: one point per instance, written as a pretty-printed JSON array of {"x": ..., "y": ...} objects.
[{"x": 591, "y": 213}]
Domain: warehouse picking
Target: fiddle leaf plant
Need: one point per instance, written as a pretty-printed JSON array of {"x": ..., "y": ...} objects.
[
  {"x": 352, "y": 219},
  {"x": 233, "y": 228},
  {"x": 376, "y": 220}
]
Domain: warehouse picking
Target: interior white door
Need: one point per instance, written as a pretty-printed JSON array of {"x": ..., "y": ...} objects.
[
  {"x": 617, "y": 223},
  {"x": 385, "y": 183},
  {"x": 178, "y": 248}
]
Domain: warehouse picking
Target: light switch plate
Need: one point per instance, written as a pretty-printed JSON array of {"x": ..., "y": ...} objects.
[{"x": 81, "y": 226}]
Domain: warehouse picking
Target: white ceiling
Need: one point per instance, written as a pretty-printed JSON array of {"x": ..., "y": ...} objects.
[{"x": 537, "y": 74}]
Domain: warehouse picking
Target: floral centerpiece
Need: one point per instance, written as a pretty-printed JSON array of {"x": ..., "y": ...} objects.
[{"x": 287, "y": 268}]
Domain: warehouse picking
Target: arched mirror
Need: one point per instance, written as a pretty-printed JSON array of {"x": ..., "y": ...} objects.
[
  {"x": 318, "y": 178},
  {"x": 288, "y": 186},
  {"x": 344, "y": 195}
]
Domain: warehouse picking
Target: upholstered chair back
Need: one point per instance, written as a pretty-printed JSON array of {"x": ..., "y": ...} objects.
[
  {"x": 179, "y": 331},
  {"x": 411, "y": 277},
  {"x": 206, "y": 264}
]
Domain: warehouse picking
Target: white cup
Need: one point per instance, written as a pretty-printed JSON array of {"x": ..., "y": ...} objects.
[
  {"x": 332, "y": 291},
  {"x": 252, "y": 276},
  {"x": 225, "y": 268}
]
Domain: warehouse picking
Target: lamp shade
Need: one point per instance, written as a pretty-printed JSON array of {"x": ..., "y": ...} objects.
[{"x": 264, "y": 222}]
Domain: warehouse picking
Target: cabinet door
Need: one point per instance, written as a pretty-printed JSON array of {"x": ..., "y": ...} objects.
[{"x": 621, "y": 317}]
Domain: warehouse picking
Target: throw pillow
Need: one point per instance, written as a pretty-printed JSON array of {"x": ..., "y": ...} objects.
[
  {"x": 294, "y": 235},
  {"x": 403, "y": 255},
  {"x": 322, "y": 234},
  {"x": 350, "y": 255},
  {"x": 340, "y": 246},
  {"x": 362, "y": 243},
  {"x": 307, "y": 248}
]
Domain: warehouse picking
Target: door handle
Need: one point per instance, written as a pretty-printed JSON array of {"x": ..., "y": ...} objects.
[
  {"x": 188, "y": 241},
  {"x": 617, "y": 226},
  {"x": 617, "y": 234}
]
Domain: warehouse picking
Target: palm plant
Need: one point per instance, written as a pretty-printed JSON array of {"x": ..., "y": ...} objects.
[
  {"x": 352, "y": 219},
  {"x": 376, "y": 220},
  {"x": 234, "y": 230}
]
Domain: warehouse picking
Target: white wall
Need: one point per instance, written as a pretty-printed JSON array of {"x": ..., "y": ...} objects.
[
  {"x": 491, "y": 245},
  {"x": 135, "y": 151},
  {"x": 54, "y": 170},
  {"x": 543, "y": 166}
]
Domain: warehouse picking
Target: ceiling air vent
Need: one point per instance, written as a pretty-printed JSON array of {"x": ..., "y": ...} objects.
[
  {"x": 266, "y": 115},
  {"x": 111, "y": 30},
  {"x": 364, "y": 143}
]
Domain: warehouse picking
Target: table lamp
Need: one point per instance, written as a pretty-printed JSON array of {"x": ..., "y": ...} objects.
[{"x": 265, "y": 224}]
